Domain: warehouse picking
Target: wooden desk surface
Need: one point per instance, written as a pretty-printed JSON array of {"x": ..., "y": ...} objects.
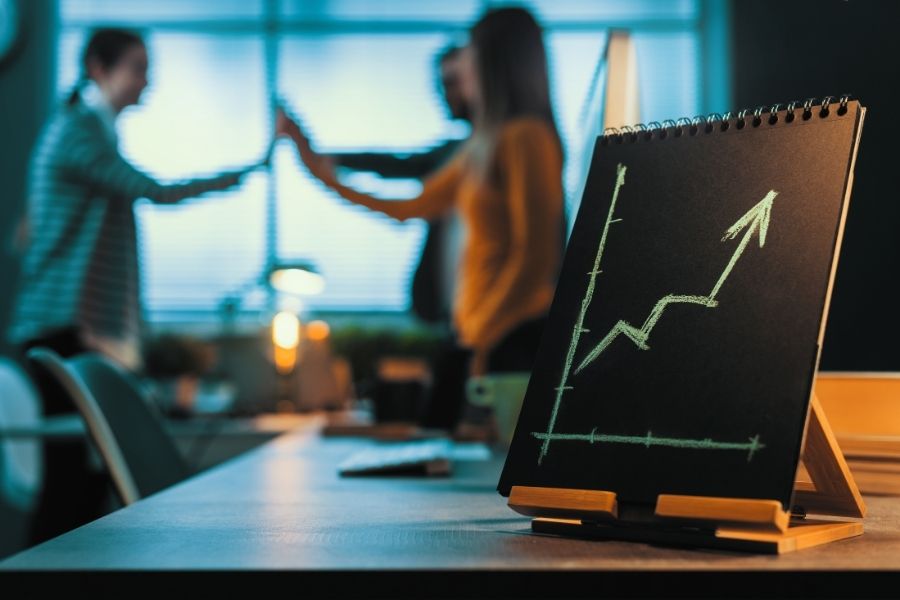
[{"x": 284, "y": 507}]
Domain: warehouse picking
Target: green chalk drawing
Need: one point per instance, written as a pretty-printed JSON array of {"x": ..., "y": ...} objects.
[
  {"x": 585, "y": 303},
  {"x": 650, "y": 440},
  {"x": 756, "y": 220}
]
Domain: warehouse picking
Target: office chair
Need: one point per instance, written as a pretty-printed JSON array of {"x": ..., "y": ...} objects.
[{"x": 140, "y": 456}]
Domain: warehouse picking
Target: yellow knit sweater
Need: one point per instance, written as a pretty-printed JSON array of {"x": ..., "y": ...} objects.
[{"x": 512, "y": 214}]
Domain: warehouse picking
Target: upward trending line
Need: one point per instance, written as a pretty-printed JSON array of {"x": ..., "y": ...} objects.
[{"x": 756, "y": 219}]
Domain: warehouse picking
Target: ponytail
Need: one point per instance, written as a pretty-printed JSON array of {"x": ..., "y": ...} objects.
[
  {"x": 105, "y": 46},
  {"x": 75, "y": 95}
]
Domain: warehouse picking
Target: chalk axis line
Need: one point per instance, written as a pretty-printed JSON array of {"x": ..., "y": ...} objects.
[{"x": 755, "y": 221}]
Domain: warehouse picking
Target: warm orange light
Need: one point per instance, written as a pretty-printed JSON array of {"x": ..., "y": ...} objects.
[
  {"x": 286, "y": 330},
  {"x": 285, "y": 359},
  {"x": 285, "y": 338},
  {"x": 317, "y": 331}
]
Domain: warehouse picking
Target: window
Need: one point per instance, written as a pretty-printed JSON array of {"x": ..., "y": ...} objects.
[{"x": 360, "y": 74}]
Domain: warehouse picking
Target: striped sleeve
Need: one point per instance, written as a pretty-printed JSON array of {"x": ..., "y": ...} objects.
[{"x": 90, "y": 159}]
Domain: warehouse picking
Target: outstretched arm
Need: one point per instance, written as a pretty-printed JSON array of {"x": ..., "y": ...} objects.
[
  {"x": 416, "y": 165},
  {"x": 438, "y": 193},
  {"x": 90, "y": 159}
]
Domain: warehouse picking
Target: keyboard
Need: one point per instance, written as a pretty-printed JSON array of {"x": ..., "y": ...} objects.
[{"x": 431, "y": 457}]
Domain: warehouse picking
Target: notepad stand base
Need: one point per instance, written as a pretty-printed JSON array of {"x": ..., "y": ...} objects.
[{"x": 740, "y": 524}]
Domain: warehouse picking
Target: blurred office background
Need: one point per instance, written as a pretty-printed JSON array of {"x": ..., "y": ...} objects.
[{"x": 361, "y": 75}]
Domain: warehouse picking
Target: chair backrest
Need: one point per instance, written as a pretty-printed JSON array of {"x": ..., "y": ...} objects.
[
  {"x": 141, "y": 457},
  {"x": 21, "y": 457}
]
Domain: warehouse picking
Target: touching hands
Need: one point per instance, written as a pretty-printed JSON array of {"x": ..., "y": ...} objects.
[
  {"x": 286, "y": 126},
  {"x": 320, "y": 165}
]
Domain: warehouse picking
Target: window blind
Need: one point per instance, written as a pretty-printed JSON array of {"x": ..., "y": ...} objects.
[{"x": 360, "y": 74}]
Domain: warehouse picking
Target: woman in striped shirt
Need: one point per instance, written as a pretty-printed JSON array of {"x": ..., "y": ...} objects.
[{"x": 79, "y": 287}]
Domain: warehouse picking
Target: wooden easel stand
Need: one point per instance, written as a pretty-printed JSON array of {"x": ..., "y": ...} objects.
[{"x": 730, "y": 523}]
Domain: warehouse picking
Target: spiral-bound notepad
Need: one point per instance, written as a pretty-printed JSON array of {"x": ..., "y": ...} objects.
[{"x": 684, "y": 336}]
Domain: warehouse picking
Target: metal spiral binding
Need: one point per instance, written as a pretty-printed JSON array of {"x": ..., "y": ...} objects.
[
  {"x": 789, "y": 111},
  {"x": 757, "y": 116},
  {"x": 706, "y": 123},
  {"x": 842, "y": 109},
  {"x": 807, "y": 108},
  {"x": 639, "y": 129},
  {"x": 725, "y": 122},
  {"x": 609, "y": 134}
]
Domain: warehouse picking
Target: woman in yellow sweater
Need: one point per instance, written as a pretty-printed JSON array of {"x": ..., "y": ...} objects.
[{"x": 506, "y": 183}]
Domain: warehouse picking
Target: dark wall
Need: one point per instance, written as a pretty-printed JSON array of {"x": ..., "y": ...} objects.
[
  {"x": 27, "y": 83},
  {"x": 796, "y": 50}
]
